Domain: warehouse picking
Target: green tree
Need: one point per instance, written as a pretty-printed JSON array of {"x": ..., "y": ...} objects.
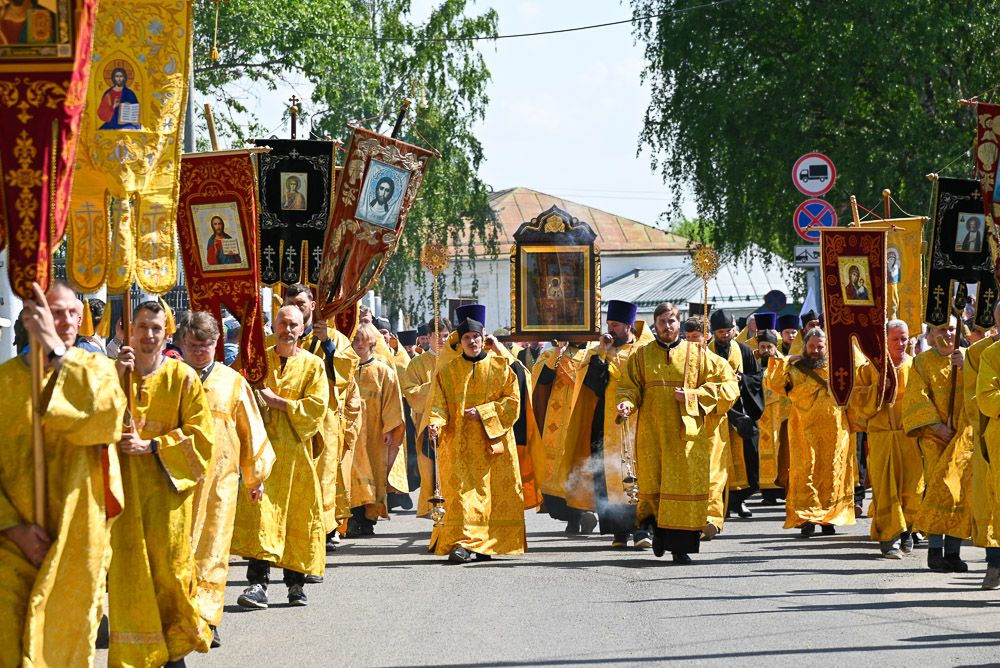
[
  {"x": 741, "y": 90},
  {"x": 262, "y": 42}
]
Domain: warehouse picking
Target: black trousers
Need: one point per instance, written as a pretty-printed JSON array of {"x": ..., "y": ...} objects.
[
  {"x": 259, "y": 572},
  {"x": 859, "y": 491},
  {"x": 751, "y": 458}
]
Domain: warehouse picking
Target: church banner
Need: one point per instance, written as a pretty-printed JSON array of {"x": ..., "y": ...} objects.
[
  {"x": 853, "y": 266},
  {"x": 44, "y": 65},
  {"x": 376, "y": 192},
  {"x": 217, "y": 228},
  {"x": 124, "y": 205},
  {"x": 987, "y": 156},
  {"x": 959, "y": 254},
  {"x": 297, "y": 180},
  {"x": 904, "y": 269}
]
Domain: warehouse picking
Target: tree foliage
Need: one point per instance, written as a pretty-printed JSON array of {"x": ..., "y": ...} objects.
[
  {"x": 741, "y": 90},
  {"x": 262, "y": 43}
]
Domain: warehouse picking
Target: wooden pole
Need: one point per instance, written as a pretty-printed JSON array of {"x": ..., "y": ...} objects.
[
  {"x": 37, "y": 361},
  {"x": 210, "y": 119},
  {"x": 885, "y": 195},
  {"x": 854, "y": 210},
  {"x": 293, "y": 112}
]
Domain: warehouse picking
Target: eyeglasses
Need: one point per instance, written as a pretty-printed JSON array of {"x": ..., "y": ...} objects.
[{"x": 199, "y": 346}]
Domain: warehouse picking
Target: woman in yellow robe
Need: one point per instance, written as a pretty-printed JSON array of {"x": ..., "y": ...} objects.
[
  {"x": 944, "y": 434},
  {"x": 988, "y": 403},
  {"x": 475, "y": 405}
]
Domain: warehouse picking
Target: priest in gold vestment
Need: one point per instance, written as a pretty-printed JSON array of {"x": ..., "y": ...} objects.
[
  {"x": 988, "y": 402},
  {"x": 50, "y": 597},
  {"x": 942, "y": 429},
  {"x": 475, "y": 405},
  {"x": 286, "y": 527},
  {"x": 242, "y": 454},
  {"x": 153, "y": 611},
  {"x": 775, "y": 411},
  {"x": 675, "y": 387}
]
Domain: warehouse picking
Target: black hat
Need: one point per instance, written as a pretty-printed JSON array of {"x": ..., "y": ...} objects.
[
  {"x": 407, "y": 337},
  {"x": 788, "y": 321},
  {"x": 741, "y": 322},
  {"x": 422, "y": 330},
  {"x": 382, "y": 323},
  {"x": 809, "y": 316},
  {"x": 765, "y": 320},
  {"x": 721, "y": 319},
  {"x": 470, "y": 325},
  {"x": 694, "y": 308},
  {"x": 623, "y": 312},
  {"x": 767, "y": 336}
]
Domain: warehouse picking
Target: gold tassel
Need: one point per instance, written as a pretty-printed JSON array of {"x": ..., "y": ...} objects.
[
  {"x": 87, "y": 326},
  {"x": 171, "y": 324},
  {"x": 104, "y": 326},
  {"x": 214, "y": 55}
]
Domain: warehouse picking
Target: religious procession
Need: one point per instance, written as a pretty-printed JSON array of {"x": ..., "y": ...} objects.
[{"x": 226, "y": 365}]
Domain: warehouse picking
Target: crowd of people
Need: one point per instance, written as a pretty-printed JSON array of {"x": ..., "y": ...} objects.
[{"x": 161, "y": 462}]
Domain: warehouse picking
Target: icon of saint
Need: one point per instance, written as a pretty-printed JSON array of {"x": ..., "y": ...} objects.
[
  {"x": 26, "y": 22},
  {"x": 119, "y": 108},
  {"x": 856, "y": 289},
  {"x": 217, "y": 248},
  {"x": 293, "y": 200}
]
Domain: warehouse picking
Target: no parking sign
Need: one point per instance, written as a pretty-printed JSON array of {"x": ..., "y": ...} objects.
[{"x": 810, "y": 216}]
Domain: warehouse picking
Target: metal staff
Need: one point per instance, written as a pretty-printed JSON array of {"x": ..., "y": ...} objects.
[
  {"x": 629, "y": 479},
  {"x": 434, "y": 258}
]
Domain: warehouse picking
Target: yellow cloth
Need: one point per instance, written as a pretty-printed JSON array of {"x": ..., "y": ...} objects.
[
  {"x": 416, "y": 382},
  {"x": 946, "y": 507},
  {"x": 49, "y": 614},
  {"x": 151, "y": 583},
  {"x": 674, "y": 440},
  {"x": 242, "y": 451},
  {"x": 122, "y": 225},
  {"x": 341, "y": 427},
  {"x": 988, "y": 402},
  {"x": 381, "y": 413},
  {"x": 822, "y": 456},
  {"x": 895, "y": 467},
  {"x": 769, "y": 426},
  {"x": 729, "y": 471},
  {"x": 983, "y": 527},
  {"x": 483, "y": 496},
  {"x": 550, "y": 449},
  {"x": 286, "y": 527}
]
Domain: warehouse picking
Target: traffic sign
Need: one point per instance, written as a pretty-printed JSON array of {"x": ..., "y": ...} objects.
[
  {"x": 810, "y": 216},
  {"x": 814, "y": 174},
  {"x": 806, "y": 256},
  {"x": 775, "y": 301}
]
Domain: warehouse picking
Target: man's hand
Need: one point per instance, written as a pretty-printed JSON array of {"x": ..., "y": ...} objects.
[
  {"x": 125, "y": 361},
  {"x": 32, "y": 540},
  {"x": 793, "y": 358},
  {"x": 943, "y": 431},
  {"x": 473, "y": 414},
  {"x": 490, "y": 343},
  {"x": 256, "y": 493},
  {"x": 37, "y": 319},
  {"x": 273, "y": 401},
  {"x": 958, "y": 358},
  {"x": 607, "y": 342},
  {"x": 320, "y": 329},
  {"x": 432, "y": 430},
  {"x": 133, "y": 444},
  {"x": 680, "y": 395},
  {"x": 387, "y": 439},
  {"x": 624, "y": 409}
]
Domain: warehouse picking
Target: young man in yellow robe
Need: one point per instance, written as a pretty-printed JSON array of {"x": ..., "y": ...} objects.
[
  {"x": 676, "y": 387},
  {"x": 381, "y": 434},
  {"x": 242, "y": 454},
  {"x": 592, "y": 472},
  {"x": 475, "y": 405},
  {"x": 822, "y": 457},
  {"x": 770, "y": 421},
  {"x": 895, "y": 466},
  {"x": 285, "y": 527},
  {"x": 50, "y": 598},
  {"x": 944, "y": 434},
  {"x": 988, "y": 404},
  {"x": 153, "y": 610}
]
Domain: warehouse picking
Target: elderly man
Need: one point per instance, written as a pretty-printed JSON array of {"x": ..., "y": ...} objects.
[
  {"x": 51, "y": 597},
  {"x": 242, "y": 453},
  {"x": 820, "y": 486}
]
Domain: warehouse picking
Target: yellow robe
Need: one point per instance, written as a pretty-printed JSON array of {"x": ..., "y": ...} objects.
[
  {"x": 341, "y": 428},
  {"x": 242, "y": 451},
  {"x": 984, "y": 532},
  {"x": 381, "y": 413},
  {"x": 674, "y": 440},
  {"x": 988, "y": 402},
  {"x": 946, "y": 506},
  {"x": 483, "y": 494},
  {"x": 151, "y": 583},
  {"x": 415, "y": 383},
  {"x": 729, "y": 470},
  {"x": 550, "y": 449},
  {"x": 285, "y": 527},
  {"x": 49, "y": 615},
  {"x": 895, "y": 466},
  {"x": 822, "y": 455},
  {"x": 769, "y": 425}
]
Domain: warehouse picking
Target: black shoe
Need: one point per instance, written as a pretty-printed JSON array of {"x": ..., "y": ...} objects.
[
  {"x": 179, "y": 663},
  {"x": 906, "y": 542},
  {"x": 573, "y": 526},
  {"x": 354, "y": 528},
  {"x": 829, "y": 530},
  {"x": 659, "y": 542},
  {"x": 483, "y": 557},
  {"x": 103, "y": 634},
  {"x": 807, "y": 529},
  {"x": 588, "y": 522},
  {"x": 460, "y": 556},
  {"x": 743, "y": 511},
  {"x": 296, "y": 596},
  {"x": 216, "y": 640},
  {"x": 254, "y": 596},
  {"x": 314, "y": 579},
  {"x": 955, "y": 563},
  {"x": 682, "y": 558},
  {"x": 406, "y": 503},
  {"x": 936, "y": 562}
]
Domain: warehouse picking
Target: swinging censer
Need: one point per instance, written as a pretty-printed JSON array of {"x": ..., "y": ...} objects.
[{"x": 434, "y": 259}]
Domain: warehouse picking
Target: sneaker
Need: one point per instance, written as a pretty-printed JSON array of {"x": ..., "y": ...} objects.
[
  {"x": 642, "y": 540},
  {"x": 619, "y": 542},
  {"x": 216, "y": 640},
  {"x": 829, "y": 530},
  {"x": 955, "y": 563},
  {"x": 807, "y": 529},
  {"x": 936, "y": 562},
  {"x": 296, "y": 596},
  {"x": 992, "y": 579},
  {"x": 906, "y": 542},
  {"x": 682, "y": 558},
  {"x": 588, "y": 522},
  {"x": 254, "y": 596},
  {"x": 314, "y": 579},
  {"x": 460, "y": 556},
  {"x": 892, "y": 553}
]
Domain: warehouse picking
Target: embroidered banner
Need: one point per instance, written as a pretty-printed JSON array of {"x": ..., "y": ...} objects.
[
  {"x": 217, "y": 227},
  {"x": 960, "y": 255},
  {"x": 853, "y": 265},
  {"x": 124, "y": 206},
  {"x": 375, "y": 194},
  {"x": 904, "y": 269},
  {"x": 44, "y": 65},
  {"x": 987, "y": 156},
  {"x": 297, "y": 180}
]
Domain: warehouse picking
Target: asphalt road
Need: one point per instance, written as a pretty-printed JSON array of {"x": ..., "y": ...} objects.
[{"x": 756, "y": 595}]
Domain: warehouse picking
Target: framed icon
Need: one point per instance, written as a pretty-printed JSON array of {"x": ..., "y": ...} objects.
[{"x": 220, "y": 236}]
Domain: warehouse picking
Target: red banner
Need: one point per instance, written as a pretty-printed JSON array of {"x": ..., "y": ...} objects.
[
  {"x": 217, "y": 227},
  {"x": 374, "y": 196},
  {"x": 987, "y": 156},
  {"x": 44, "y": 66},
  {"x": 854, "y": 285}
]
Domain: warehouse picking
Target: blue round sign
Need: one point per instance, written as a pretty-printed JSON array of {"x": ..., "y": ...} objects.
[
  {"x": 775, "y": 301},
  {"x": 811, "y": 215}
]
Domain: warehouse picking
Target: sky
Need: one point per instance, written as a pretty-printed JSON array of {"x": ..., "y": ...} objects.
[{"x": 565, "y": 110}]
